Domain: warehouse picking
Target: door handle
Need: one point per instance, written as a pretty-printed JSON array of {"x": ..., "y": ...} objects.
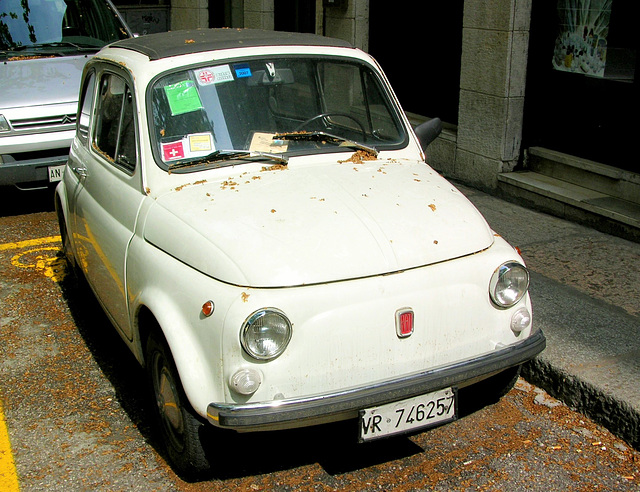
[{"x": 81, "y": 171}]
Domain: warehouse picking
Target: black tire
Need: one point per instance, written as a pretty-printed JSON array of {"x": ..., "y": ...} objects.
[
  {"x": 500, "y": 384},
  {"x": 181, "y": 429},
  {"x": 67, "y": 252},
  {"x": 74, "y": 276},
  {"x": 488, "y": 391}
]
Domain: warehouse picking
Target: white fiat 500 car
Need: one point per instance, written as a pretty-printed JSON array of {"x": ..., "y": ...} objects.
[{"x": 255, "y": 214}]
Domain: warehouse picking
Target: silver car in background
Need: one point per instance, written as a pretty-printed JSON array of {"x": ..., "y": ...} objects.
[{"x": 44, "y": 46}]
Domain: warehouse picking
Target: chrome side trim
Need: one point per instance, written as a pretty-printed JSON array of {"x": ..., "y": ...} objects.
[{"x": 299, "y": 412}]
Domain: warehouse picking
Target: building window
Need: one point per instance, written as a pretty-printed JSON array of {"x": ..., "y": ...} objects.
[{"x": 595, "y": 38}]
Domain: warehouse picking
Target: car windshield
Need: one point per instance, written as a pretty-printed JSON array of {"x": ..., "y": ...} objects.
[
  {"x": 57, "y": 25},
  {"x": 280, "y": 106}
]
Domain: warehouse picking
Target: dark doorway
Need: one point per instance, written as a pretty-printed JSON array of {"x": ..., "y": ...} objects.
[
  {"x": 220, "y": 13},
  {"x": 587, "y": 115},
  {"x": 295, "y": 16},
  {"x": 419, "y": 48}
]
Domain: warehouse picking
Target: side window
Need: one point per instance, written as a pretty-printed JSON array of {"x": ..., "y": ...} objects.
[
  {"x": 115, "y": 136},
  {"x": 85, "y": 109}
]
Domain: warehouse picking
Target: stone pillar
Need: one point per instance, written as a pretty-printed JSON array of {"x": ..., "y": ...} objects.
[
  {"x": 259, "y": 14},
  {"x": 189, "y": 14},
  {"x": 495, "y": 42},
  {"x": 347, "y": 20}
]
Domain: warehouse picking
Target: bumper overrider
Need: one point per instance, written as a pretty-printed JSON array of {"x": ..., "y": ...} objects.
[{"x": 299, "y": 412}]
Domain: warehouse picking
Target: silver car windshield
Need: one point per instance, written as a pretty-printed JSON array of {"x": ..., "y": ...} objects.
[
  {"x": 57, "y": 26},
  {"x": 275, "y": 106}
]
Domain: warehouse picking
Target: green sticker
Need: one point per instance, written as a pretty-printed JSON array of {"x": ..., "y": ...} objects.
[{"x": 183, "y": 97}]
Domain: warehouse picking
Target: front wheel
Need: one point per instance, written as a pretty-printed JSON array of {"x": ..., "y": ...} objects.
[
  {"x": 182, "y": 431},
  {"x": 488, "y": 391}
]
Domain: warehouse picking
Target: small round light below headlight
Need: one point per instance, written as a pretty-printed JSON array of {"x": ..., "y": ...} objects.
[
  {"x": 266, "y": 334},
  {"x": 509, "y": 283},
  {"x": 520, "y": 320},
  {"x": 245, "y": 381}
]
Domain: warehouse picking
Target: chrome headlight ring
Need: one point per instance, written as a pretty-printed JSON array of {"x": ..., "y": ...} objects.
[
  {"x": 265, "y": 334},
  {"x": 509, "y": 283}
]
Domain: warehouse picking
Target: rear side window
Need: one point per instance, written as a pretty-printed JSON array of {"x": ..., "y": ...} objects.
[
  {"x": 115, "y": 134},
  {"x": 85, "y": 108}
]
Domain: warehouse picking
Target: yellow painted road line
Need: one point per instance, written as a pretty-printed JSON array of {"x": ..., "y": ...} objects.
[
  {"x": 30, "y": 242},
  {"x": 8, "y": 474}
]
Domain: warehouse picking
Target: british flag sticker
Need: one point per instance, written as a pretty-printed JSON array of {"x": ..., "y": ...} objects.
[
  {"x": 206, "y": 77},
  {"x": 213, "y": 75}
]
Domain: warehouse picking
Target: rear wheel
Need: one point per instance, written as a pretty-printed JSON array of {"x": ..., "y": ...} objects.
[
  {"x": 182, "y": 431},
  {"x": 66, "y": 249}
]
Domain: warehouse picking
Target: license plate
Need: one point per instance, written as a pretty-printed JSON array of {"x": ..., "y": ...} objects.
[
  {"x": 408, "y": 415},
  {"x": 55, "y": 173}
]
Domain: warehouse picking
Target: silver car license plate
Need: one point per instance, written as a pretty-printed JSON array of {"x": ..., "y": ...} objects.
[
  {"x": 407, "y": 415},
  {"x": 55, "y": 173}
]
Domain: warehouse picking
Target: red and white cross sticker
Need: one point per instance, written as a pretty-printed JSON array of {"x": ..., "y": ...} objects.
[
  {"x": 213, "y": 75},
  {"x": 172, "y": 151},
  {"x": 206, "y": 77}
]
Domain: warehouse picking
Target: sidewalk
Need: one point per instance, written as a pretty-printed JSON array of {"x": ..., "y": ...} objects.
[{"x": 585, "y": 289}]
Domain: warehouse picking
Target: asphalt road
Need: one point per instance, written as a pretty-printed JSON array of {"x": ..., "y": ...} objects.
[{"x": 76, "y": 410}]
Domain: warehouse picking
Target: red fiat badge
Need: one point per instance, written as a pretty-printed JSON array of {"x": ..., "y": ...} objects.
[{"x": 404, "y": 322}]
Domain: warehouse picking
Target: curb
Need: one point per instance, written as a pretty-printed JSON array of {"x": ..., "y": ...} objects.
[{"x": 615, "y": 415}]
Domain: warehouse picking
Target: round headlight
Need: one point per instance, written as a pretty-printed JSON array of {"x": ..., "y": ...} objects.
[
  {"x": 509, "y": 283},
  {"x": 265, "y": 334}
]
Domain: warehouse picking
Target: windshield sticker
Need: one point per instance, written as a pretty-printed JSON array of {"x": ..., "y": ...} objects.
[
  {"x": 264, "y": 142},
  {"x": 214, "y": 75},
  {"x": 200, "y": 142},
  {"x": 183, "y": 97},
  {"x": 172, "y": 151},
  {"x": 191, "y": 146},
  {"x": 242, "y": 70}
]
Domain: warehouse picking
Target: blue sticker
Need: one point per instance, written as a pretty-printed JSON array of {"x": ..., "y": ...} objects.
[{"x": 242, "y": 70}]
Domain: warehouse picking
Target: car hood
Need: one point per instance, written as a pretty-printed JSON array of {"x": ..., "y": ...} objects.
[
  {"x": 39, "y": 81},
  {"x": 311, "y": 224}
]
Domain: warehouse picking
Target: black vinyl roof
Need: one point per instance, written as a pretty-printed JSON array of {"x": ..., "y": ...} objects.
[{"x": 174, "y": 43}]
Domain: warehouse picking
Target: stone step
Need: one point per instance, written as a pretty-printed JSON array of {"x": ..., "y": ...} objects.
[
  {"x": 611, "y": 181},
  {"x": 529, "y": 184}
]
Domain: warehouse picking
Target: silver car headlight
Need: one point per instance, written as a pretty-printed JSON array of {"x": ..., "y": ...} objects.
[
  {"x": 509, "y": 283},
  {"x": 4, "y": 124},
  {"x": 265, "y": 334}
]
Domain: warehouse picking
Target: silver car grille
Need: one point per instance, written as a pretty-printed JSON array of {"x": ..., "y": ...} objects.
[{"x": 57, "y": 121}]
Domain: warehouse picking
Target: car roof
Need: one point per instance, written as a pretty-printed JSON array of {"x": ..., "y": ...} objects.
[{"x": 174, "y": 43}]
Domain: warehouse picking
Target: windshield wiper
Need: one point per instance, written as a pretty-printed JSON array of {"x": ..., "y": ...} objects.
[
  {"x": 56, "y": 44},
  {"x": 218, "y": 156},
  {"x": 324, "y": 137}
]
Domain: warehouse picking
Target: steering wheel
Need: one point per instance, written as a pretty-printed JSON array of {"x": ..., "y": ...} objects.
[{"x": 332, "y": 113}]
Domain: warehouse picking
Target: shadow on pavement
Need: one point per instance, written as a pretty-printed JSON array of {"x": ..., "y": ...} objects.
[
  {"x": 17, "y": 202},
  {"x": 333, "y": 446}
]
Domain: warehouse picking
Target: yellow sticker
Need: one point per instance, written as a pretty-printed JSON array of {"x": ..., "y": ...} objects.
[{"x": 200, "y": 142}]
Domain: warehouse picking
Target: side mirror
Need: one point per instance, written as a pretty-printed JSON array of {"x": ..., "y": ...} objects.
[{"x": 428, "y": 131}]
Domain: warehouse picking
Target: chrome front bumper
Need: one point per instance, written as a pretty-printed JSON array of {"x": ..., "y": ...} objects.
[{"x": 300, "y": 412}]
